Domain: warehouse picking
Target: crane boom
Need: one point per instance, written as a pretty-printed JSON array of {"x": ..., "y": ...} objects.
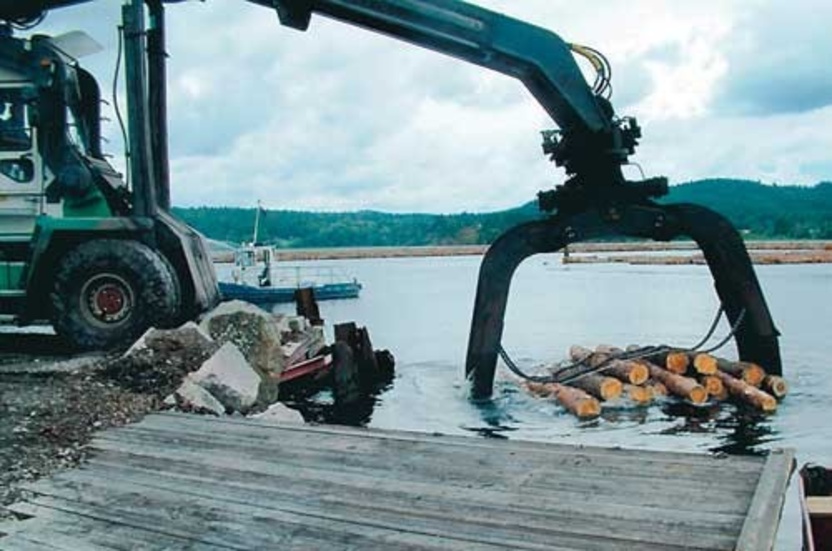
[{"x": 536, "y": 56}]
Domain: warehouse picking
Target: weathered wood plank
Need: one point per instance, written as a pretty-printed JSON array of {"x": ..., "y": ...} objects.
[
  {"x": 254, "y": 516},
  {"x": 482, "y": 504},
  {"x": 306, "y": 481},
  {"x": 221, "y": 426},
  {"x": 188, "y": 482},
  {"x": 763, "y": 517},
  {"x": 498, "y": 454},
  {"x": 621, "y": 490}
]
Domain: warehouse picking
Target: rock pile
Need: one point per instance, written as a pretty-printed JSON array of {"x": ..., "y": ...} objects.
[{"x": 230, "y": 363}]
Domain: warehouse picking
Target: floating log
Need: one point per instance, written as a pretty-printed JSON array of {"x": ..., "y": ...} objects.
[
  {"x": 640, "y": 395},
  {"x": 679, "y": 385},
  {"x": 604, "y": 388},
  {"x": 749, "y": 393},
  {"x": 776, "y": 386},
  {"x": 713, "y": 384},
  {"x": 574, "y": 399},
  {"x": 749, "y": 372},
  {"x": 628, "y": 371},
  {"x": 633, "y": 372},
  {"x": 674, "y": 361},
  {"x": 704, "y": 364}
]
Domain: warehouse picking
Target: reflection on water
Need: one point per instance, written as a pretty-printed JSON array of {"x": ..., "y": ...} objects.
[{"x": 421, "y": 310}]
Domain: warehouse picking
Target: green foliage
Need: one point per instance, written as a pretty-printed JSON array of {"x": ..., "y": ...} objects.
[{"x": 758, "y": 210}]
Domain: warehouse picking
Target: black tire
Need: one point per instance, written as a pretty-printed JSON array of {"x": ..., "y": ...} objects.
[{"x": 107, "y": 292}]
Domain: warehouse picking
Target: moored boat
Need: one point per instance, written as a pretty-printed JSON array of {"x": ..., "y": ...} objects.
[{"x": 816, "y": 506}]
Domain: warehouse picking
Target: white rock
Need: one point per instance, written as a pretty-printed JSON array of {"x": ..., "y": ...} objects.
[
  {"x": 229, "y": 377},
  {"x": 279, "y": 413},
  {"x": 195, "y": 397}
]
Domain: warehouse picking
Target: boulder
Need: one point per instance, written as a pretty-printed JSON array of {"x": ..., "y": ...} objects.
[
  {"x": 160, "y": 359},
  {"x": 229, "y": 377},
  {"x": 279, "y": 413},
  {"x": 255, "y": 333},
  {"x": 192, "y": 397}
]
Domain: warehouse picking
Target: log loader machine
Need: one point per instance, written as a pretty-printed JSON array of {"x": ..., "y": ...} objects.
[{"x": 103, "y": 260}]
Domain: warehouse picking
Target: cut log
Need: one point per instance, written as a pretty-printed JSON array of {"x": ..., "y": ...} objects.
[
  {"x": 657, "y": 387},
  {"x": 748, "y": 393},
  {"x": 776, "y": 386},
  {"x": 586, "y": 356},
  {"x": 604, "y": 388},
  {"x": 628, "y": 371},
  {"x": 704, "y": 364},
  {"x": 687, "y": 388},
  {"x": 573, "y": 399},
  {"x": 608, "y": 349},
  {"x": 633, "y": 372},
  {"x": 713, "y": 384},
  {"x": 640, "y": 395},
  {"x": 674, "y": 361},
  {"x": 749, "y": 372}
]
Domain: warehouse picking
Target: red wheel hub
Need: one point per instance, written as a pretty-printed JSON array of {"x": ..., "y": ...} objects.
[
  {"x": 110, "y": 300},
  {"x": 107, "y": 299}
]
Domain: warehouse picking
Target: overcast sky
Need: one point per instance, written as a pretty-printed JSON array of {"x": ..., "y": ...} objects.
[{"x": 338, "y": 118}]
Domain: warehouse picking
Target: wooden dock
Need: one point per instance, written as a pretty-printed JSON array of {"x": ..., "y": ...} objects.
[{"x": 176, "y": 481}]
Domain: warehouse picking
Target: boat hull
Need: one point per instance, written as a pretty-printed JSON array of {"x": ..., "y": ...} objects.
[{"x": 277, "y": 295}]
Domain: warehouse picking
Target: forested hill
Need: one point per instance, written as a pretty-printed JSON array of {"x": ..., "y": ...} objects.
[{"x": 762, "y": 211}]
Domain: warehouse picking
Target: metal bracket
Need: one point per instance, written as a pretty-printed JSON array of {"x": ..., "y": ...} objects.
[{"x": 734, "y": 277}]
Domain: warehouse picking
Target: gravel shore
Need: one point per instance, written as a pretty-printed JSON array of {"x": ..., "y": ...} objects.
[{"x": 50, "y": 406}]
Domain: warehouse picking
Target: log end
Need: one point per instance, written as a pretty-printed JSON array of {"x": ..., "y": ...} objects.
[
  {"x": 611, "y": 388},
  {"x": 639, "y": 373},
  {"x": 677, "y": 362},
  {"x": 705, "y": 364},
  {"x": 777, "y": 386},
  {"x": 713, "y": 385},
  {"x": 640, "y": 395},
  {"x": 588, "y": 408},
  {"x": 752, "y": 373},
  {"x": 698, "y": 395}
]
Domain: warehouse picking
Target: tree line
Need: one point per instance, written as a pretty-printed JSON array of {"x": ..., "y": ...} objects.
[{"x": 758, "y": 210}]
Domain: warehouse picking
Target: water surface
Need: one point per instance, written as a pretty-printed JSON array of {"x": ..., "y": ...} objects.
[{"x": 420, "y": 309}]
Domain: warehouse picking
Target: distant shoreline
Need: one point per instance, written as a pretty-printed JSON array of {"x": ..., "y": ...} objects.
[{"x": 762, "y": 252}]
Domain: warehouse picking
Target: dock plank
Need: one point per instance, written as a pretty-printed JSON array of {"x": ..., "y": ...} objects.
[{"x": 178, "y": 481}]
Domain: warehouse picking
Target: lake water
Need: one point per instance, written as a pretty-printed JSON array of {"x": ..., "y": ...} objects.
[{"x": 420, "y": 309}]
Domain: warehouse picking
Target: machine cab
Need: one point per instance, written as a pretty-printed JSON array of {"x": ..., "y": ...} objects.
[{"x": 21, "y": 167}]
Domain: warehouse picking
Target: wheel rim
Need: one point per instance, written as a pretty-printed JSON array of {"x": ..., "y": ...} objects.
[{"x": 107, "y": 299}]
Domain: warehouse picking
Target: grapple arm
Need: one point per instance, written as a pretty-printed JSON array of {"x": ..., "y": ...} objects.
[{"x": 536, "y": 56}]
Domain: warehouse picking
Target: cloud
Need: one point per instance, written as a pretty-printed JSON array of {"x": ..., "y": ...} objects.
[
  {"x": 778, "y": 56},
  {"x": 338, "y": 118}
]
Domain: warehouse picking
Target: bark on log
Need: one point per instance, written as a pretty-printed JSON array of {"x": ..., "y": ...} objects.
[
  {"x": 679, "y": 385},
  {"x": 573, "y": 399},
  {"x": 704, "y": 364},
  {"x": 608, "y": 349},
  {"x": 604, "y": 388},
  {"x": 776, "y": 386},
  {"x": 748, "y": 393},
  {"x": 640, "y": 395},
  {"x": 713, "y": 384},
  {"x": 586, "y": 356},
  {"x": 749, "y": 372},
  {"x": 628, "y": 371}
]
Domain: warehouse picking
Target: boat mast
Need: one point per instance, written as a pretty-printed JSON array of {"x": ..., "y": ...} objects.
[{"x": 256, "y": 223}]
